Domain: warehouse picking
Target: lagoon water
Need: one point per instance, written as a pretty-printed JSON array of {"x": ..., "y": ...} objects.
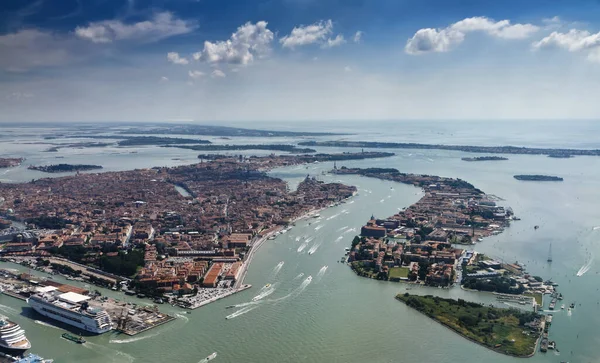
[{"x": 337, "y": 316}]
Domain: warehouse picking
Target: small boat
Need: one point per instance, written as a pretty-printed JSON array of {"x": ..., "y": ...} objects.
[
  {"x": 73, "y": 338},
  {"x": 572, "y": 306},
  {"x": 562, "y": 306},
  {"x": 267, "y": 286},
  {"x": 209, "y": 358}
]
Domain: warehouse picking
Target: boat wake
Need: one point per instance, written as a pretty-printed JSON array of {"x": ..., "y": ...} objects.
[
  {"x": 314, "y": 248},
  {"x": 339, "y": 239},
  {"x": 302, "y": 246},
  {"x": 333, "y": 216},
  {"x": 349, "y": 230},
  {"x": 131, "y": 340},
  {"x": 297, "y": 291},
  {"x": 277, "y": 268},
  {"x": 586, "y": 267},
  {"x": 341, "y": 229},
  {"x": 595, "y": 228},
  {"x": 111, "y": 354},
  {"x": 299, "y": 276},
  {"x": 321, "y": 272},
  {"x": 182, "y": 317},
  {"x": 381, "y": 201},
  {"x": 318, "y": 227},
  {"x": 8, "y": 310},
  {"x": 298, "y": 239},
  {"x": 351, "y": 202},
  {"x": 240, "y": 312},
  {"x": 264, "y": 294},
  {"x": 39, "y": 322}
]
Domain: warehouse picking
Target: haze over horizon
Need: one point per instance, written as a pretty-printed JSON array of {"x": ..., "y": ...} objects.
[{"x": 297, "y": 60}]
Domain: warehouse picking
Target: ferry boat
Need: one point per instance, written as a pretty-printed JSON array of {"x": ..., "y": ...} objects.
[
  {"x": 73, "y": 338},
  {"x": 12, "y": 337},
  {"x": 209, "y": 358},
  {"x": 70, "y": 308}
]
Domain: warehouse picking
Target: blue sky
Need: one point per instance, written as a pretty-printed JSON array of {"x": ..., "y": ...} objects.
[{"x": 236, "y": 60}]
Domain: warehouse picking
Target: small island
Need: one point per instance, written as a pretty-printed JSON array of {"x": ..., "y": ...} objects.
[
  {"x": 485, "y": 158},
  {"x": 538, "y": 178},
  {"x": 10, "y": 162},
  {"x": 507, "y": 331},
  {"x": 64, "y": 168}
]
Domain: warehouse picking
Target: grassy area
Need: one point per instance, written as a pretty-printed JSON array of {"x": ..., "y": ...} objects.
[
  {"x": 398, "y": 272},
  {"x": 537, "y": 296},
  {"x": 501, "y": 330}
]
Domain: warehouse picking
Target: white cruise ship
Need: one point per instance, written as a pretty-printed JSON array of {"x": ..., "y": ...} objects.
[
  {"x": 12, "y": 337},
  {"x": 70, "y": 308}
]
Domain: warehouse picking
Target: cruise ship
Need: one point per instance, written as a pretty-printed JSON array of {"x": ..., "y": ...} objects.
[
  {"x": 70, "y": 308},
  {"x": 12, "y": 337}
]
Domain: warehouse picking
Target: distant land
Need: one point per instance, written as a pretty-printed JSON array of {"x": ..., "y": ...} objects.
[
  {"x": 538, "y": 178},
  {"x": 484, "y": 158},
  {"x": 64, "y": 168},
  {"x": 217, "y": 131},
  {"x": 273, "y": 147},
  {"x": 10, "y": 162},
  {"x": 306, "y": 158},
  {"x": 472, "y": 149},
  {"x": 134, "y": 140}
]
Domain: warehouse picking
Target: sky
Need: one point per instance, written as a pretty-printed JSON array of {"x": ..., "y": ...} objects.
[{"x": 214, "y": 61}]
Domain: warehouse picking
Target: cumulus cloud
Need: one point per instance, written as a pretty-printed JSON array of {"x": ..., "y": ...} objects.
[
  {"x": 196, "y": 74},
  {"x": 573, "y": 41},
  {"x": 248, "y": 41},
  {"x": 217, "y": 73},
  {"x": 443, "y": 40},
  {"x": 309, "y": 34},
  {"x": 174, "y": 58},
  {"x": 357, "y": 37},
  {"x": 162, "y": 25},
  {"x": 337, "y": 41}
]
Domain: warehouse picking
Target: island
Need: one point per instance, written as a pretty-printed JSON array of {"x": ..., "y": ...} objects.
[
  {"x": 464, "y": 148},
  {"x": 485, "y": 158},
  {"x": 64, "y": 168},
  {"x": 270, "y": 147},
  {"x": 136, "y": 227},
  {"x": 417, "y": 244},
  {"x": 10, "y": 162},
  {"x": 538, "y": 178},
  {"x": 173, "y": 129},
  {"x": 155, "y": 140},
  {"x": 507, "y": 331}
]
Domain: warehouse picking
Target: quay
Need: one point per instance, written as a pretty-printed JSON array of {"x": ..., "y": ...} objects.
[{"x": 128, "y": 318}]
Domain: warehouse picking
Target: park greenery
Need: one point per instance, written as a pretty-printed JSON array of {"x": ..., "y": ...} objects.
[{"x": 502, "y": 330}]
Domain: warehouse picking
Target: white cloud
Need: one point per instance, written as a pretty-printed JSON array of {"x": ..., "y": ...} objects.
[
  {"x": 196, "y": 74},
  {"x": 347, "y": 69},
  {"x": 337, "y": 41},
  {"x": 162, "y": 25},
  {"x": 443, "y": 40},
  {"x": 164, "y": 79},
  {"x": 217, "y": 73},
  {"x": 357, "y": 37},
  {"x": 248, "y": 41},
  {"x": 174, "y": 58},
  {"x": 552, "y": 20},
  {"x": 573, "y": 41},
  {"x": 305, "y": 35}
]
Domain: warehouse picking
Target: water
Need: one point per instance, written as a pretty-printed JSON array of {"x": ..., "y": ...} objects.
[{"x": 336, "y": 316}]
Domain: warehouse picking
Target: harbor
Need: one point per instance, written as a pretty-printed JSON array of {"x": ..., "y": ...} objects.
[{"x": 126, "y": 317}]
